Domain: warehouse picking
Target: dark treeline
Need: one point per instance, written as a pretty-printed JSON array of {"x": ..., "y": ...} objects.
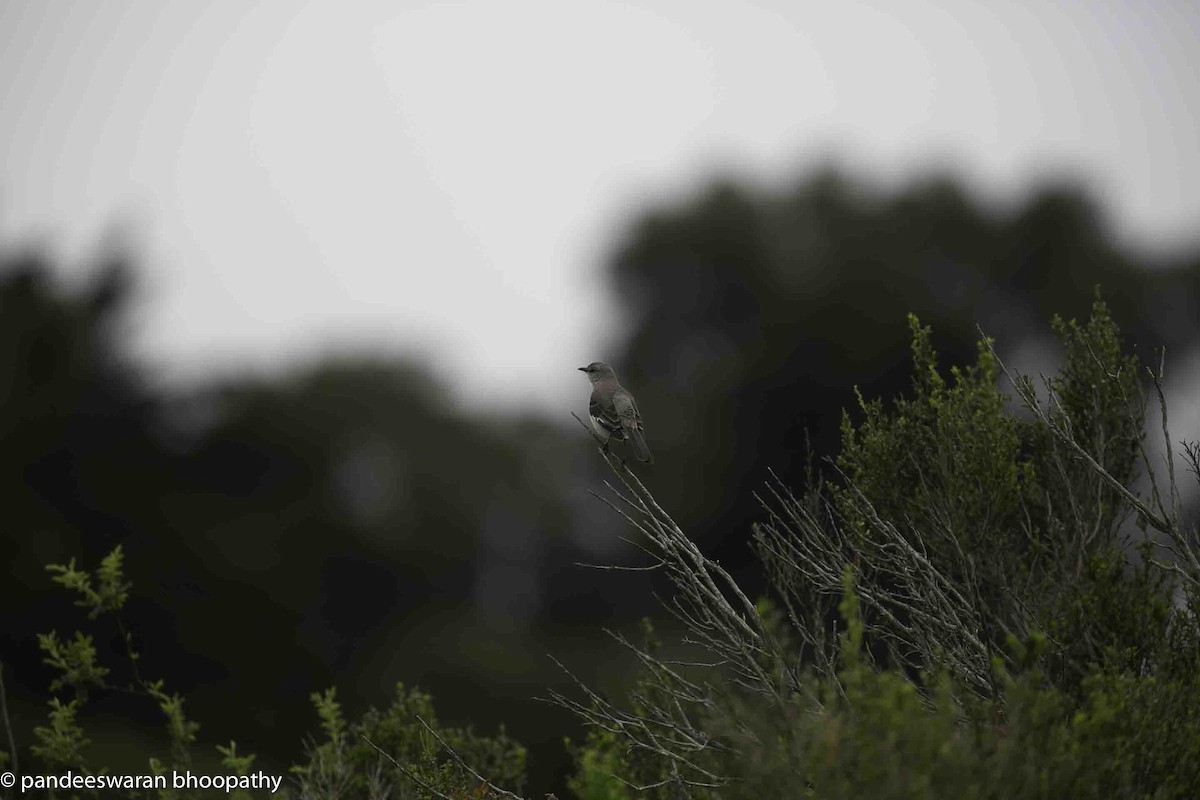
[{"x": 347, "y": 525}]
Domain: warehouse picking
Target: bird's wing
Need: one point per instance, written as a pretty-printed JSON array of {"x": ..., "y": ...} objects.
[
  {"x": 626, "y": 410},
  {"x": 606, "y": 418},
  {"x": 631, "y": 423}
]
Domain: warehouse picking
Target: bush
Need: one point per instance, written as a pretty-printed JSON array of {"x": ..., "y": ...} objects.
[
  {"x": 957, "y": 610},
  {"x": 400, "y": 752}
]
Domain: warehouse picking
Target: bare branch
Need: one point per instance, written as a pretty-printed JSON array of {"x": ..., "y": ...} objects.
[{"x": 412, "y": 776}]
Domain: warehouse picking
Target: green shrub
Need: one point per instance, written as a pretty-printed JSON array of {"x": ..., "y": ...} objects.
[
  {"x": 399, "y": 752},
  {"x": 997, "y": 636}
]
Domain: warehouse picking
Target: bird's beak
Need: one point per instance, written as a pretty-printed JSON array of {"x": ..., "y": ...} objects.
[{"x": 583, "y": 369}]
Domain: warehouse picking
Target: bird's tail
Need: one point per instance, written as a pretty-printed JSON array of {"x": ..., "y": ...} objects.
[{"x": 638, "y": 442}]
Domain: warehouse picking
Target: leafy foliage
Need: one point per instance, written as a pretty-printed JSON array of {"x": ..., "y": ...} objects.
[
  {"x": 956, "y": 611},
  {"x": 877, "y": 733},
  {"x": 399, "y": 752},
  {"x": 402, "y": 752},
  {"x": 994, "y": 631}
]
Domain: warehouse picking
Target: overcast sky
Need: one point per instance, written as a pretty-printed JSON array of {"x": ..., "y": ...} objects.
[{"x": 448, "y": 178}]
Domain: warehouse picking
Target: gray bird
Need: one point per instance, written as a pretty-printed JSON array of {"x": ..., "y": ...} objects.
[{"x": 614, "y": 412}]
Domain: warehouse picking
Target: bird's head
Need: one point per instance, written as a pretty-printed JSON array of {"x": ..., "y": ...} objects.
[{"x": 598, "y": 371}]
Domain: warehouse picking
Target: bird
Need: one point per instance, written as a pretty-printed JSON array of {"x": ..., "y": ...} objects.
[{"x": 614, "y": 412}]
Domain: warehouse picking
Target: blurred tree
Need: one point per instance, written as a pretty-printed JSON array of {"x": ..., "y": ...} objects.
[
  {"x": 754, "y": 314},
  {"x": 78, "y": 426},
  {"x": 358, "y": 526},
  {"x": 339, "y": 519}
]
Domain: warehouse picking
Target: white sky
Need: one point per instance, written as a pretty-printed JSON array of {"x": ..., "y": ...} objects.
[{"x": 448, "y": 178}]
